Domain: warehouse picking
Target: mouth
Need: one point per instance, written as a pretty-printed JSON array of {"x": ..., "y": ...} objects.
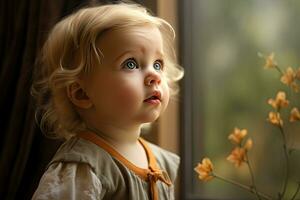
[{"x": 155, "y": 98}]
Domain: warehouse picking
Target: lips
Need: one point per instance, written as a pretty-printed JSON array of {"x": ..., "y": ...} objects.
[{"x": 154, "y": 98}]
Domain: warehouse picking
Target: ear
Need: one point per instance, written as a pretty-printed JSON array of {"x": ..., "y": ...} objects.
[{"x": 78, "y": 96}]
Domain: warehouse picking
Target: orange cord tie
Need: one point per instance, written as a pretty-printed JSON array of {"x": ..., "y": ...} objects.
[{"x": 153, "y": 176}]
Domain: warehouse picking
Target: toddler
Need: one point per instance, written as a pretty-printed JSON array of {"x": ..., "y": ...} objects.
[{"x": 104, "y": 72}]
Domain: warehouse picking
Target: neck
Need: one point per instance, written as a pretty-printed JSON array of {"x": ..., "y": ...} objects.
[
  {"x": 125, "y": 142},
  {"x": 117, "y": 136}
]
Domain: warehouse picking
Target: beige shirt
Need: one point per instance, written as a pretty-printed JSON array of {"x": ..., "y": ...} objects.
[{"x": 85, "y": 169}]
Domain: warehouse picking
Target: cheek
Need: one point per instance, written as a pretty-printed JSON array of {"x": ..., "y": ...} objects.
[{"x": 127, "y": 94}]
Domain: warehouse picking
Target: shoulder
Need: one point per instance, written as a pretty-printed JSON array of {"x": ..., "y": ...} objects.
[
  {"x": 76, "y": 150},
  {"x": 82, "y": 151},
  {"x": 166, "y": 160},
  {"x": 69, "y": 181}
]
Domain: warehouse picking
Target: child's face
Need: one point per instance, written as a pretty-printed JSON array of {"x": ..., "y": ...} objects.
[{"x": 131, "y": 72}]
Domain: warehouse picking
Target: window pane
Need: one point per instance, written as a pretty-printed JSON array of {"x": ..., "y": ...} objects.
[{"x": 230, "y": 88}]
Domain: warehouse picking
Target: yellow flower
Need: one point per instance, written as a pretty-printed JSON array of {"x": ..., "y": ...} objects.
[
  {"x": 204, "y": 169},
  {"x": 248, "y": 145},
  {"x": 237, "y": 156},
  {"x": 295, "y": 115},
  {"x": 280, "y": 101},
  {"x": 237, "y": 136},
  {"x": 289, "y": 77},
  {"x": 270, "y": 62},
  {"x": 274, "y": 118}
]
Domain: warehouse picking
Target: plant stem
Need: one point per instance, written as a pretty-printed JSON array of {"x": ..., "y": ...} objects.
[
  {"x": 298, "y": 188},
  {"x": 252, "y": 176},
  {"x": 245, "y": 187},
  {"x": 287, "y": 163},
  {"x": 279, "y": 70}
]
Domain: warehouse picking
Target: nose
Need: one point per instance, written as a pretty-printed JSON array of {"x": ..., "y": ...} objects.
[{"x": 152, "y": 78}]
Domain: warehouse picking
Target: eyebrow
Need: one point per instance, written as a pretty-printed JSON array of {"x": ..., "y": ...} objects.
[
  {"x": 160, "y": 54},
  {"x": 120, "y": 56}
]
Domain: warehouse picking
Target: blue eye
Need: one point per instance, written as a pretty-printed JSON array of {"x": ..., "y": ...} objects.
[
  {"x": 158, "y": 65},
  {"x": 130, "y": 64}
]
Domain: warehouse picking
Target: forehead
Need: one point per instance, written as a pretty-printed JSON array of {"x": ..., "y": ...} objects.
[{"x": 141, "y": 38}]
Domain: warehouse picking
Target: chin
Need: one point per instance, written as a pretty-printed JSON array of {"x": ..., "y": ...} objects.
[{"x": 150, "y": 118}]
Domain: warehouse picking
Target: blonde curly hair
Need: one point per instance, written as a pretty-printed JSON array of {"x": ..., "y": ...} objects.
[{"x": 70, "y": 51}]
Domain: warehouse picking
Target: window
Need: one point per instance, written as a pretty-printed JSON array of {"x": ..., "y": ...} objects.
[{"x": 225, "y": 86}]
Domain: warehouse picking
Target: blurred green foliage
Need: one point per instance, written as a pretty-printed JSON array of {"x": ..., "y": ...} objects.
[{"x": 232, "y": 88}]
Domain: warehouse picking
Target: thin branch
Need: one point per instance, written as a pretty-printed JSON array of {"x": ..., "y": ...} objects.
[
  {"x": 245, "y": 187},
  {"x": 286, "y": 156},
  {"x": 252, "y": 176},
  {"x": 279, "y": 70},
  {"x": 298, "y": 189}
]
